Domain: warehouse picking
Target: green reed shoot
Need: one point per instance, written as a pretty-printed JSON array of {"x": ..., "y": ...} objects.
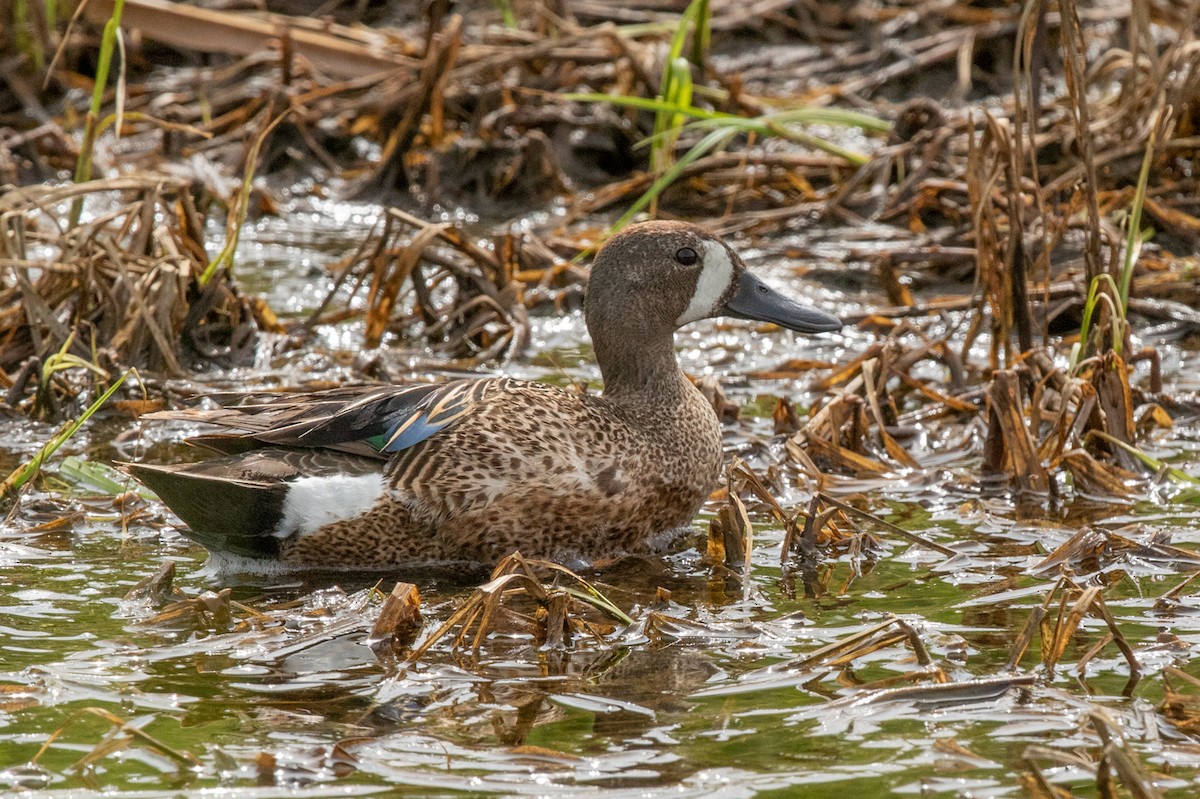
[
  {"x": 675, "y": 87},
  {"x": 1134, "y": 236},
  {"x": 702, "y": 35},
  {"x": 96, "y": 476},
  {"x": 507, "y": 16},
  {"x": 83, "y": 165},
  {"x": 240, "y": 206},
  {"x": 673, "y": 109},
  {"x": 715, "y": 140},
  {"x": 724, "y": 127},
  {"x": 62, "y": 360},
  {"x": 1104, "y": 288},
  {"x": 25, "y": 41},
  {"x": 677, "y": 93},
  {"x": 1147, "y": 460}
]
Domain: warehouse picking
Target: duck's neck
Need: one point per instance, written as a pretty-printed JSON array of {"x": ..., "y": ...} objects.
[{"x": 639, "y": 366}]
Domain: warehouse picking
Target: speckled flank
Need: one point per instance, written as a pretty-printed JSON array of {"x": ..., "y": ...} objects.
[{"x": 547, "y": 471}]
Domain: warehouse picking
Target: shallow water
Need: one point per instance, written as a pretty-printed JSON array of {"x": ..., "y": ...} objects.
[{"x": 710, "y": 693}]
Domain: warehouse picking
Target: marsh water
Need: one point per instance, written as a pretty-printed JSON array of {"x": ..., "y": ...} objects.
[{"x": 719, "y": 687}]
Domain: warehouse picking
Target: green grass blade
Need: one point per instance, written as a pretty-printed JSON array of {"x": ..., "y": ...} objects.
[
  {"x": 1094, "y": 298},
  {"x": 714, "y": 140},
  {"x": 703, "y": 35},
  {"x": 646, "y": 104},
  {"x": 1178, "y": 475},
  {"x": 593, "y": 597},
  {"x": 96, "y": 476},
  {"x": 840, "y": 117},
  {"x": 83, "y": 165},
  {"x": 1133, "y": 236},
  {"x": 23, "y": 474}
]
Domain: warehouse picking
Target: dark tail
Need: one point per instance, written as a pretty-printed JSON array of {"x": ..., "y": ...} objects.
[{"x": 229, "y": 514}]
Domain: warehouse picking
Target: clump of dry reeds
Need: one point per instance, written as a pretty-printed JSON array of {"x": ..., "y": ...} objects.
[{"x": 122, "y": 288}]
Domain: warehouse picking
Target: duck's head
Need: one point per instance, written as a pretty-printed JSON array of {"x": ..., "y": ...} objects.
[{"x": 656, "y": 277}]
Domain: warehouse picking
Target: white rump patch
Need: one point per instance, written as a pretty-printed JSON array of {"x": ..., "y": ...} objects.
[
  {"x": 714, "y": 280},
  {"x": 313, "y": 502}
]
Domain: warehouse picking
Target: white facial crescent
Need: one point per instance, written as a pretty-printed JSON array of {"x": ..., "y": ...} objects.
[{"x": 715, "y": 278}]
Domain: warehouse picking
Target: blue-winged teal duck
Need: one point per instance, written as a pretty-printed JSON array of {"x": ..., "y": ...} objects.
[{"x": 473, "y": 469}]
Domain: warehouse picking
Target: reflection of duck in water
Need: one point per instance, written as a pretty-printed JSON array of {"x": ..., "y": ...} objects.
[
  {"x": 374, "y": 477},
  {"x": 627, "y": 692}
]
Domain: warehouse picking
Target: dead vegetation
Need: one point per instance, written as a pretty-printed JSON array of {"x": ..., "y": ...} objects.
[{"x": 1002, "y": 234}]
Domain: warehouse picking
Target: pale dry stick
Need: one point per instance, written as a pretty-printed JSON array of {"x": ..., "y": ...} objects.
[
  {"x": 1100, "y": 608},
  {"x": 890, "y": 445},
  {"x": 820, "y": 420},
  {"x": 837, "y": 648},
  {"x": 339, "y": 49},
  {"x": 1025, "y": 637},
  {"x": 20, "y": 197},
  {"x": 57, "y": 267},
  {"x": 1032, "y": 624},
  {"x": 1075, "y": 760},
  {"x": 1092, "y": 653},
  {"x": 869, "y": 647},
  {"x": 1116, "y": 153},
  {"x": 435, "y": 69},
  {"x": 1031, "y": 33},
  {"x": 1174, "y": 593},
  {"x": 980, "y": 187},
  {"x": 747, "y": 543},
  {"x": 936, "y": 54},
  {"x": 1067, "y": 623},
  {"x": 452, "y": 237},
  {"x": 182, "y": 757},
  {"x": 385, "y": 289},
  {"x": 756, "y": 486}
]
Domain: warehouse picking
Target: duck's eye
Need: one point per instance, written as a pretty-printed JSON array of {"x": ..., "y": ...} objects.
[{"x": 686, "y": 256}]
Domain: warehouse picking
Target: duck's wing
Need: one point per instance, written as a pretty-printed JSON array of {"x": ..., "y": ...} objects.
[
  {"x": 297, "y": 463},
  {"x": 374, "y": 421}
]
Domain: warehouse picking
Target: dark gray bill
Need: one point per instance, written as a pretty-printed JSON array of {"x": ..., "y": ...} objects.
[{"x": 754, "y": 299}]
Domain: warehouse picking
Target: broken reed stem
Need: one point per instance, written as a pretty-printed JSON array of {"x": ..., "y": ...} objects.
[
  {"x": 1015, "y": 256},
  {"x": 1074, "y": 61},
  {"x": 900, "y": 531},
  {"x": 1083, "y": 602},
  {"x": 184, "y": 758},
  {"x": 514, "y": 574}
]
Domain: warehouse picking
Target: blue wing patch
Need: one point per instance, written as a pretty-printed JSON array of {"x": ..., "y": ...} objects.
[
  {"x": 412, "y": 430},
  {"x": 437, "y": 412}
]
